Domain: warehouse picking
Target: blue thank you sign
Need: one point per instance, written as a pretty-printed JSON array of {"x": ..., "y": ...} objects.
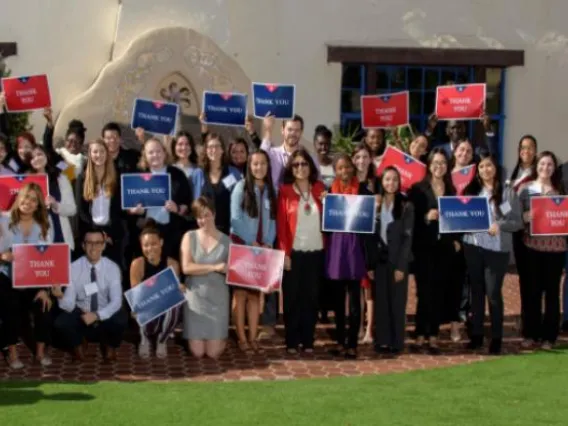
[
  {"x": 155, "y": 116},
  {"x": 226, "y": 109},
  {"x": 147, "y": 189},
  {"x": 349, "y": 213},
  {"x": 273, "y": 99},
  {"x": 463, "y": 214},
  {"x": 155, "y": 296}
]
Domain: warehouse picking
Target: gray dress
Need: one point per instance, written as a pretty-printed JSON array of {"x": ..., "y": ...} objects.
[{"x": 206, "y": 313}]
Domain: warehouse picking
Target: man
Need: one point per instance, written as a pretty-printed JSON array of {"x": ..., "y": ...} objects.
[
  {"x": 456, "y": 132},
  {"x": 92, "y": 303},
  {"x": 292, "y": 131},
  {"x": 125, "y": 160}
]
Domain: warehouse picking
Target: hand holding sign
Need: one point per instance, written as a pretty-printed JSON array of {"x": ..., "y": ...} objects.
[{"x": 45, "y": 300}]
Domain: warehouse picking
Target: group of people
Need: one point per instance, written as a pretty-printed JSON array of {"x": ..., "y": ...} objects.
[{"x": 260, "y": 194}]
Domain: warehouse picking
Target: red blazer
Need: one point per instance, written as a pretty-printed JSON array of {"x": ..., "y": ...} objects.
[{"x": 287, "y": 215}]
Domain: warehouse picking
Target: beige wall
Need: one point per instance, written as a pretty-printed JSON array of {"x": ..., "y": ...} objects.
[{"x": 285, "y": 41}]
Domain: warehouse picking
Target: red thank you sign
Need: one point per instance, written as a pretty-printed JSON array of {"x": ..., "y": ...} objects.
[
  {"x": 26, "y": 93},
  {"x": 383, "y": 111},
  {"x": 549, "y": 215},
  {"x": 460, "y": 102},
  {"x": 41, "y": 265},
  {"x": 10, "y": 186},
  {"x": 255, "y": 268},
  {"x": 411, "y": 170},
  {"x": 461, "y": 178}
]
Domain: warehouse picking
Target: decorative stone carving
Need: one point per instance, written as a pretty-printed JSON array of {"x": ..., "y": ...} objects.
[{"x": 174, "y": 64}]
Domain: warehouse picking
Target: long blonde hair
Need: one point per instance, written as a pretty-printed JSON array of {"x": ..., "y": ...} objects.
[
  {"x": 108, "y": 183},
  {"x": 143, "y": 162},
  {"x": 40, "y": 216}
]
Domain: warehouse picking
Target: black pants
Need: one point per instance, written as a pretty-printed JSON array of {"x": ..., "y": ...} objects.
[
  {"x": 435, "y": 284},
  {"x": 300, "y": 293},
  {"x": 15, "y": 309},
  {"x": 390, "y": 307},
  {"x": 486, "y": 270},
  {"x": 545, "y": 272},
  {"x": 339, "y": 290},
  {"x": 522, "y": 263},
  {"x": 73, "y": 330}
]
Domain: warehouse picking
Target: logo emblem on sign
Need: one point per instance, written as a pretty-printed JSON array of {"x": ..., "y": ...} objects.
[
  {"x": 257, "y": 251},
  {"x": 42, "y": 248},
  {"x": 24, "y": 80},
  {"x": 465, "y": 170},
  {"x": 385, "y": 98},
  {"x": 460, "y": 88},
  {"x": 150, "y": 282},
  {"x": 158, "y": 105},
  {"x": 557, "y": 200},
  {"x": 147, "y": 176},
  {"x": 271, "y": 87},
  {"x": 226, "y": 96},
  {"x": 20, "y": 178},
  {"x": 408, "y": 160},
  {"x": 464, "y": 200}
]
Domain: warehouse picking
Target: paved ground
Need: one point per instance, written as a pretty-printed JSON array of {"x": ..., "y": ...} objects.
[{"x": 272, "y": 363}]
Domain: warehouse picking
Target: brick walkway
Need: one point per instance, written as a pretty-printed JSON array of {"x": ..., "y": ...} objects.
[{"x": 272, "y": 363}]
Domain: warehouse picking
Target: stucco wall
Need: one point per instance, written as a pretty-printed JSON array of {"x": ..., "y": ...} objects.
[{"x": 285, "y": 41}]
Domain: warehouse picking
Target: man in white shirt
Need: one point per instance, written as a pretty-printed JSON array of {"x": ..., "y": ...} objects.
[{"x": 92, "y": 304}]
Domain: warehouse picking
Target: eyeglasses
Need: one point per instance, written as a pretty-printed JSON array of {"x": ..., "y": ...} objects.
[
  {"x": 94, "y": 243},
  {"x": 300, "y": 164},
  {"x": 439, "y": 163}
]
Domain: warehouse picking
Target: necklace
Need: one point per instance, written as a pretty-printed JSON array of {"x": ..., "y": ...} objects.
[{"x": 305, "y": 199}]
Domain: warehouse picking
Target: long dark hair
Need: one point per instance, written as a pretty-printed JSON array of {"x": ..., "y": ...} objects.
[
  {"x": 399, "y": 197},
  {"x": 448, "y": 184},
  {"x": 232, "y": 144},
  {"x": 518, "y": 165},
  {"x": 556, "y": 178},
  {"x": 193, "y": 155},
  {"x": 371, "y": 175},
  {"x": 476, "y": 184},
  {"x": 289, "y": 175},
  {"x": 249, "y": 204},
  {"x": 204, "y": 161}
]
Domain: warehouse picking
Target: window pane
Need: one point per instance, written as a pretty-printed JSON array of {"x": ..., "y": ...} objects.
[
  {"x": 448, "y": 77},
  {"x": 351, "y": 76},
  {"x": 429, "y": 102},
  {"x": 493, "y": 78},
  {"x": 382, "y": 79},
  {"x": 417, "y": 125},
  {"x": 350, "y": 101},
  {"x": 462, "y": 76},
  {"x": 397, "y": 78},
  {"x": 415, "y": 103},
  {"x": 431, "y": 79},
  {"x": 415, "y": 79},
  {"x": 352, "y": 127}
]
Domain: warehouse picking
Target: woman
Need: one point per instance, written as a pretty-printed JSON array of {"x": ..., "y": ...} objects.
[
  {"x": 169, "y": 218},
  {"x": 436, "y": 286},
  {"x": 25, "y": 142},
  {"x": 97, "y": 196},
  {"x": 216, "y": 179},
  {"x": 345, "y": 263},
  {"x": 152, "y": 262},
  {"x": 238, "y": 154},
  {"x": 522, "y": 173},
  {"x": 418, "y": 147},
  {"x": 462, "y": 155},
  {"x": 389, "y": 253},
  {"x": 322, "y": 146},
  {"x": 60, "y": 201},
  {"x": 374, "y": 140},
  {"x": 28, "y": 223},
  {"x": 253, "y": 215},
  {"x": 204, "y": 255},
  {"x": 184, "y": 154},
  {"x": 361, "y": 157},
  {"x": 298, "y": 224},
  {"x": 5, "y": 169},
  {"x": 545, "y": 255},
  {"x": 487, "y": 253}
]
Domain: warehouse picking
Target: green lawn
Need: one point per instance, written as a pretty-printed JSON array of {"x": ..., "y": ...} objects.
[{"x": 515, "y": 390}]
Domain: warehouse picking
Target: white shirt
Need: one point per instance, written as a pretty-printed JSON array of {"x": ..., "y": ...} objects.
[
  {"x": 308, "y": 228},
  {"x": 100, "y": 209},
  {"x": 386, "y": 219},
  {"x": 483, "y": 239},
  {"x": 109, "y": 287}
]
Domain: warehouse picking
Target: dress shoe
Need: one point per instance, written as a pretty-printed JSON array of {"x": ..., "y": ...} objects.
[
  {"x": 495, "y": 347},
  {"x": 475, "y": 342}
]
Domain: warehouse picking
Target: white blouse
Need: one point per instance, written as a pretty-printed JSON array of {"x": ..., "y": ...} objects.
[
  {"x": 100, "y": 209},
  {"x": 308, "y": 227}
]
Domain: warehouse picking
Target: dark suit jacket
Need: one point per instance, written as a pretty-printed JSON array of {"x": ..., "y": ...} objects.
[{"x": 398, "y": 244}]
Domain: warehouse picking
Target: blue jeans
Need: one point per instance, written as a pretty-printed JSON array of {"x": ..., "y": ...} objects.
[{"x": 270, "y": 314}]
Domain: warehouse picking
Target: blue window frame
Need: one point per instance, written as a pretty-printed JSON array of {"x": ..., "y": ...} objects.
[{"x": 421, "y": 82}]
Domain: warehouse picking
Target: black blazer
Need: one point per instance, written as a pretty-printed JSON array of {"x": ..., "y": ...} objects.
[
  {"x": 398, "y": 246},
  {"x": 426, "y": 233},
  {"x": 114, "y": 228}
]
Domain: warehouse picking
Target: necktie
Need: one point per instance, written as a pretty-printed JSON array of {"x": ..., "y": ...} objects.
[{"x": 94, "y": 298}]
